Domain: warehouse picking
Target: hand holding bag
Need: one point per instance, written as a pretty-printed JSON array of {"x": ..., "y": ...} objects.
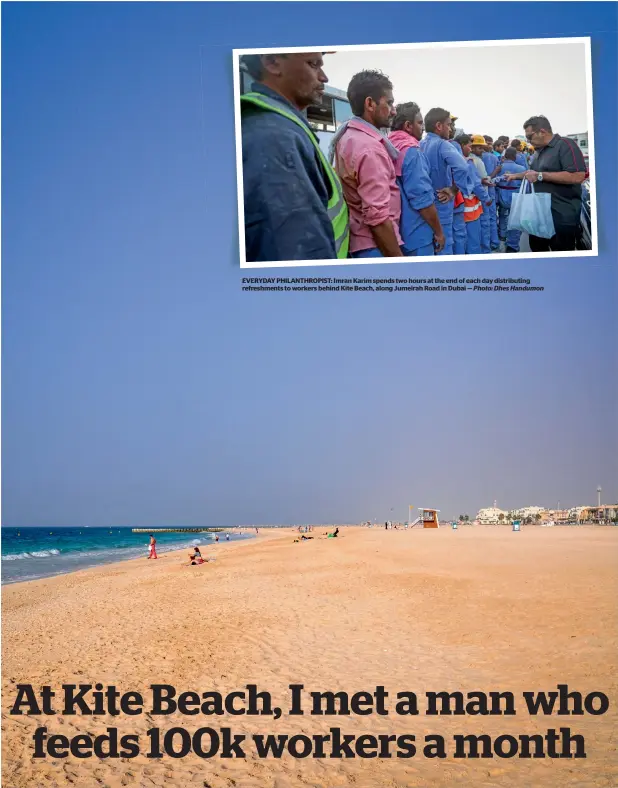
[{"x": 531, "y": 212}]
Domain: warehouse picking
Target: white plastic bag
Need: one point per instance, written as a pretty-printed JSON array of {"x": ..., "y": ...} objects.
[{"x": 531, "y": 212}]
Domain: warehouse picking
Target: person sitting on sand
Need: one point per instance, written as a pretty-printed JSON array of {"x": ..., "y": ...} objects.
[{"x": 196, "y": 557}]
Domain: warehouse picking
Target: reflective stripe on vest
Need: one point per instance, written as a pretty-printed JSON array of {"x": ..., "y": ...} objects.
[
  {"x": 337, "y": 207},
  {"x": 472, "y": 208}
]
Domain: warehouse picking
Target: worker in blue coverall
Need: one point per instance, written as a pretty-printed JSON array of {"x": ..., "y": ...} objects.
[
  {"x": 477, "y": 148},
  {"x": 474, "y": 186},
  {"x": 505, "y": 190},
  {"x": 419, "y": 227},
  {"x": 446, "y": 167},
  {"x": 460, "y": 237},
  {"x": 492, "y": 165},
  {"x": 500, "y": 145},
  {"x": 520, "y": 158}
]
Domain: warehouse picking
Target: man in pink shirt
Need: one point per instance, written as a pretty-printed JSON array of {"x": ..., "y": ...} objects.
[{"x": 365, "y": 161}]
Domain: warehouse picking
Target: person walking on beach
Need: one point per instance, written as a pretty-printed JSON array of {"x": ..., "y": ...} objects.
[
  {"x": 227, "y": 537},
  {"x": 216, "y": 537},
  {"x": 152, "y": 550}
]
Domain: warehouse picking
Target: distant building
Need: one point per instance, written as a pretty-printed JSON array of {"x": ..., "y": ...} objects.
[
  {"x": 598, "y": 514},
  {"x": 581, "y": 140},
  {"x": 491, "y": 516},
  {"x": 554, "y": 515},
  {"x": 529, "y": 511}
]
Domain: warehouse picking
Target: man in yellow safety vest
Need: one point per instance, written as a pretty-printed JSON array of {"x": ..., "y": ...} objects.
[{"x": 293, "y": 201}]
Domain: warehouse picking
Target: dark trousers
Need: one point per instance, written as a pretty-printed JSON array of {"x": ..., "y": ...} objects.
[{"x": 563, "y": 241}]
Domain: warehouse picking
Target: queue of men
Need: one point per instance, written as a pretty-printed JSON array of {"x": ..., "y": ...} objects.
[{"x": 386, "y": 189}]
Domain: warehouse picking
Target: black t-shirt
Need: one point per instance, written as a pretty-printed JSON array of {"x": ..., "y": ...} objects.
[{"x": 561, "y": 155}]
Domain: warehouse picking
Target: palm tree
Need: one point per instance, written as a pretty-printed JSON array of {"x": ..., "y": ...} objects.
[
  {"x": 461, "y": 518},
  {"x": 501, "y": 517},
  {"x": 538, "y": 516}
]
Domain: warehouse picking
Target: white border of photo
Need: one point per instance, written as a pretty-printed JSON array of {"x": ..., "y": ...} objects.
[{"x": 237, "y": 53}]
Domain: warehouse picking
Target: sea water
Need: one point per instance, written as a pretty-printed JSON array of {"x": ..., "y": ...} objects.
[{"x": 31, "y": 553}]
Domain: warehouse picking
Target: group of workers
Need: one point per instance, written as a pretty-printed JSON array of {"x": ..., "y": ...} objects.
[{"x": 395, "y": 183}]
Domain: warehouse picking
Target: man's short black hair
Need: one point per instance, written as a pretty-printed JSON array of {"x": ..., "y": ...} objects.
[
  {"x": 538, "y": 122},
  {"x": 434, "y": 116},
  {"x": 503, "y": 138},
  {"x": 515, "y": 144},
  {"x": 498, "y": 142},
  {"x": 405, "y": 112},
  {"x": 463, "y": 139},
  {"x": 488, "y": 139},
  {"x": 367, "y": 84},
  {"x": 511, "y": 153}
]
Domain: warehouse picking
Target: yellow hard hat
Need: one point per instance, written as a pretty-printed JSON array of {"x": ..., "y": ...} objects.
[{"x": 477, "y": 139}]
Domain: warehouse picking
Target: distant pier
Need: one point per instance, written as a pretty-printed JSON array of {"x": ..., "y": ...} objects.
[{"x": 175, "y": 530}]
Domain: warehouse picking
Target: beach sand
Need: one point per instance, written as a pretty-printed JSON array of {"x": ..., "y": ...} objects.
[{"x": 478, "y": 609}]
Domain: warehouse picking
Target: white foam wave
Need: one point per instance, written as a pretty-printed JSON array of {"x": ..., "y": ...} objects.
[{"x": 33, "y": 554}]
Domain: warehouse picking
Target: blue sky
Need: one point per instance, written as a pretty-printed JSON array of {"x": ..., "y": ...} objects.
[{"x": 141, "y": 386}]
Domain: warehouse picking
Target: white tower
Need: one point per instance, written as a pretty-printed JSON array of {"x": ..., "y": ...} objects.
[{"x": 599, "y": 491}]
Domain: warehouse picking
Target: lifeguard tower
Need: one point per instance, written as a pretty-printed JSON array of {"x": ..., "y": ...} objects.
[{"x": 429, "y": 518}]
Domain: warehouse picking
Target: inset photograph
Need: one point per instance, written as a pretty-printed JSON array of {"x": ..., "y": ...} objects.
[{"x": 380, "y": 153}]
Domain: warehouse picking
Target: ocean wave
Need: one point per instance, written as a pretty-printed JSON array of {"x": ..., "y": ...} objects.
[
  {"x": 33, "y": 554},
  {"x": 86, "y": 555}
]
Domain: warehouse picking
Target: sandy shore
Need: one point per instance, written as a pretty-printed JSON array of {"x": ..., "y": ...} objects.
[{"x": 480, "y": 609}]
